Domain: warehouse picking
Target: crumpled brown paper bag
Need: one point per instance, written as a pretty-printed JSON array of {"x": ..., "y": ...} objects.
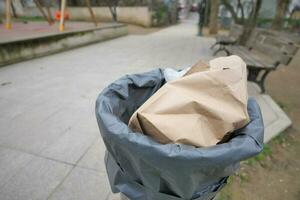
[{"x": 200, "y": 108}]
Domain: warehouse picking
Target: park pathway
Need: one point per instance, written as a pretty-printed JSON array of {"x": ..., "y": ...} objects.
[{"x": 50, "y": 146}]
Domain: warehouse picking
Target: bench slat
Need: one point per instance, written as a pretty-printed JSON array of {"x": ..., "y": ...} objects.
[{"x": 249, "y": 57}]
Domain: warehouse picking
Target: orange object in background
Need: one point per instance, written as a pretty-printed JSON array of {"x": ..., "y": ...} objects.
[{"x": 58, "y": 14}]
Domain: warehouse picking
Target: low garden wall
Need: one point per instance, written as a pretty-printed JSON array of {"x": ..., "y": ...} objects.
[
  {"x": 24, "y": 49},
  {"x": 132, "y": 15}
]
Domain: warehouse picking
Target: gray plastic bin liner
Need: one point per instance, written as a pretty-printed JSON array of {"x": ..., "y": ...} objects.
[{"x": 143, "y": 169}]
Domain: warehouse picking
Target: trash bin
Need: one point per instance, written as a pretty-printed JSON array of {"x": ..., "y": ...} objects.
[{"x": 142, "y": 169}]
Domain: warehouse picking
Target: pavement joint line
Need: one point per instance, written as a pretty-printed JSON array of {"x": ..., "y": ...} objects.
[
  {"x": 39, "y": 153},
  {"x": 73, "y": 166},
  {"x": 91, "y": 145},
  {"x": 91, "y": 169},
  {"x": 63, "y": 132},
  {"x": 36, "y": 155},
  {"x": 61, "y": 182},
  {"x": 17, "y": 171},
  {"x": 67, "y": 175},
  {"x": 85, "y": 151},
  {"x": 55, "y": 160}
]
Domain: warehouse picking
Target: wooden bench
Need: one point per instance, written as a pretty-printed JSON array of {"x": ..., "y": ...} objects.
[
  {"x": 230, "y": 39},
  {"x": 263, "y": 54}
]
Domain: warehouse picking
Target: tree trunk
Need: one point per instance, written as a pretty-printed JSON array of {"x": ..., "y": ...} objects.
[
  {"x": 232, "y": 11},
  {"x": 282, "y": 6},
  {"x": 250, "y": 23},
  {"x": 241, "y": 8},
  {"x": 115, "y": 16},
  {"x": 112, "y": 5},
  {"x": 213, "y": 18},
  {"x": 40, "y": 8},
  {"x": 207, "y": 11},
  {"x": 88, "y": 3},
  {"x": 13, "y": 10}
]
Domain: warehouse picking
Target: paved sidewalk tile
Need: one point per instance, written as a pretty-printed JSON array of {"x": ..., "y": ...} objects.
[
  {"x": 83, "y": 184},
  {"x": 35, "y": 181},
  {"x": 71, "y": 146},
  {"x": 11, "y": 161},
  {"x": 94, "y": 158}
]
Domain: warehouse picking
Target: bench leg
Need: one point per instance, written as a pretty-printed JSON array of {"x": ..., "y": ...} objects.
[
  {"x": 221, "y": 48},
  {"x": 262, "y": 80},
  {"x": 213, "y": 46},
  {"x": 253, "y": 76}
]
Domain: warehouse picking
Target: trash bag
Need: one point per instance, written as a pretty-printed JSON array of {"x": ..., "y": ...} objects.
[
  {"x": 207, "y": 103},
  {"x": 143, "y": 169}
]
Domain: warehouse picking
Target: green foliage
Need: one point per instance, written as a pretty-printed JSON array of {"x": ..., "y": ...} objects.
[
  {"x": 30, "y": 18},
  {"x": 266, "y": 152},
  {"x": 82, "y": 3},
  {"x": 292, "y": 22},
  {"x": 160, "y": 14},
  {"x": 243, "y": 177},
  {"x": 264, "y": 22},
  {"x": 281, "y": 104},
  {"x": 229, "y": 180},
  {"x": 267, "y": 22},
  {"x": 280, "y": 139},
  {"x": 224, "y": 195},
  {"x": 250, "y": 161},
  {"x": 260, "y": 157}
]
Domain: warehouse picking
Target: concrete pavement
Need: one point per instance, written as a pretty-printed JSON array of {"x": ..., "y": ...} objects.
[{"x": 50, "y": 146}]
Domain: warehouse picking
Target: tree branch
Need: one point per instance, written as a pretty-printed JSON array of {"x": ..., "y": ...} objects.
[
  {"x": 112, "y": 5},
  {"x": 230, "y": 8},
  {"x": 240, "y": 6}
]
